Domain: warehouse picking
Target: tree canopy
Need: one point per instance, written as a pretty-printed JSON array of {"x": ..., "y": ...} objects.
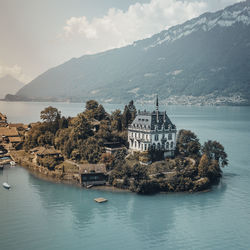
[
  {"x": 50, "y": 114},
  {"x": 215, "y": 151},
  {"x": 188, "y": 143}
]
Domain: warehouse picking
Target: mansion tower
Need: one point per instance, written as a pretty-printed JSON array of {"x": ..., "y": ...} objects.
[{"x": 152, "y": 130}]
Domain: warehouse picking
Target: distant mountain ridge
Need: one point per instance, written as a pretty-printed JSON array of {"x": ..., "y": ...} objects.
[
  {"x": 206, "y": 59},
  {"x": 9, "y": 85}
]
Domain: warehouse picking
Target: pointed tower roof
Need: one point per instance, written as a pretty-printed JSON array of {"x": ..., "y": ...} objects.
[{"x": 157, "y": 103}]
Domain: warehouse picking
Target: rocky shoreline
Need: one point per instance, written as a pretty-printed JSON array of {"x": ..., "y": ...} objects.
[{"x": 23, "y": 159}]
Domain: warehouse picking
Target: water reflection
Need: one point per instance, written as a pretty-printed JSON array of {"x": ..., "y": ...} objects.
[{"x": 150, "y": 218}]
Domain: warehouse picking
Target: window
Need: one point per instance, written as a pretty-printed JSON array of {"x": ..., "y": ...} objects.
[
  {"x": 170, "y": 136},
  {"x": 156, "y": 138},
  {"x": 167, "y": 145},
  {"x": 172, "y": 144},
  {"x": 158, "y": 146},
  {"x": 145, "y": 146},
  {"x": 84, "y": 178}
]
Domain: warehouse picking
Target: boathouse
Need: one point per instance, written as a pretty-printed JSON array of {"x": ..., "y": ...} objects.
[{"x": 92, "y": 174}]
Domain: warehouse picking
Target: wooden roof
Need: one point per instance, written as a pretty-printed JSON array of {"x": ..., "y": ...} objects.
[
  {"x": 47, "y": 151},
  {"x": 15, "y": 139},
  {"x": 16, "y": 125},
  {"x": 8, "y": 131},
  {"x": 92, "y": 168}
]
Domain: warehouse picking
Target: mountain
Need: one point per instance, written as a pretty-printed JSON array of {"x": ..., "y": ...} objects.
[
  {"x": 205, "y": 60},
  {"x": 9, "y": 85}
]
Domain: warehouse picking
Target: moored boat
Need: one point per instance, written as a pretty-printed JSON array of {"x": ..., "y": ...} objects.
[
  {"x": 6, "y": 185},
  {"x": 12, "y": 163}
]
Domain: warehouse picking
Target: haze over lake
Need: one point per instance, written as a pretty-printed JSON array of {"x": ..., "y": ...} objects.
[{"x": 37, "y": 214}]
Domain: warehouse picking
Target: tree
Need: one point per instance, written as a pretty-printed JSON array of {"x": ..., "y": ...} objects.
[
  {"x": 50, "y": 114},
  {"x": 126, "y": 118},
  {"x": 91, "y": 104},
  {"x": 81, "y": 127},
  {"x": 215, "y": 151},
  {"x": 90, "y": 150},
  {"x": 46, "y": 139},
  {"x": 203, "y": 166},
  {"x": 188, "y": 143},
  {"x": 94, "y": 110},
  {"x": 116, "y": 120}
]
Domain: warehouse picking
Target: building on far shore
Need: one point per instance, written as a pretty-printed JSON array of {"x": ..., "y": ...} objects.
[{"x": 152, "y": 130}]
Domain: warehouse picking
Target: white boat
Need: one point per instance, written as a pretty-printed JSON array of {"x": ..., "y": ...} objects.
[
  {"x": 6, "y": 185},
  {"x": 12, "y": 163}
]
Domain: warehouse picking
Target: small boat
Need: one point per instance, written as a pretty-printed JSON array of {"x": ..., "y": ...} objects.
[
  {"x": 89, "y": 186},
  {"x": 6, "y": 185},
  {"x": 12, "y": 163}
]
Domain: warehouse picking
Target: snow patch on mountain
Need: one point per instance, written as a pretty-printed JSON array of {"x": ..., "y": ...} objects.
[{"x": 224, "y": 18}]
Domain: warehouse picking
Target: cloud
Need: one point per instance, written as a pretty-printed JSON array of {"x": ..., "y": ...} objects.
[
  {"x": 14, "y": 71},
  {"x": 118, "y": 28}
]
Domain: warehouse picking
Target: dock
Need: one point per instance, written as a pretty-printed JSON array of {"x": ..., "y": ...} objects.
[{"x": 100, "y": 200}]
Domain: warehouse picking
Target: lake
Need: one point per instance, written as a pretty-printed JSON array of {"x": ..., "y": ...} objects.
[{"x": 37, "y": 214}]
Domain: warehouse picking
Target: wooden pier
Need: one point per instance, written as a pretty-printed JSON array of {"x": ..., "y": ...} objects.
[{"x": 100, "y": 200}]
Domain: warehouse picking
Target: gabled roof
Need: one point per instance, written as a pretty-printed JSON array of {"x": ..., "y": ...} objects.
[
  {"x": 16, "y": 125},
  {"x": 46, "y": 151},
  {"x": 8, "y": 131},
  {"x": 92, "y": 168},
  {"x": 15, "y": 139}
]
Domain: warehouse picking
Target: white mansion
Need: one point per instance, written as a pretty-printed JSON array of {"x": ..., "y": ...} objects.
[{"x": 152, "y": 130}]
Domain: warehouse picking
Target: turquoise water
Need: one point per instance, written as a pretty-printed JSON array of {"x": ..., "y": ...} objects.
[{"x": 37, "y": 214}]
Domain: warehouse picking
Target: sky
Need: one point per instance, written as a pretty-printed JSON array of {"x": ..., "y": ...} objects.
[{"x": 36, "y": 35}]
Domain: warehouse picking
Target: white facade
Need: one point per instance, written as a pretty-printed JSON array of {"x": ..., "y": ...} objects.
[{"x": 152, "y": 130}]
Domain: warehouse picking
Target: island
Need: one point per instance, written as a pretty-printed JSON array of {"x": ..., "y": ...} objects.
[{"x": 133, "y": 150}]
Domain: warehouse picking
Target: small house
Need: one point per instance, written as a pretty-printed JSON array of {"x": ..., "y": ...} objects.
[
  {"x": 50, "y": 151},
  {"x": 113, "y": 147},
  {"x": 8, "y": 132},
  {"x": 92, "y": 174}
]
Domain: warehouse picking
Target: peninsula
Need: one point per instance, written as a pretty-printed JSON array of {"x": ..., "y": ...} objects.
[{"x": 135, "y": 150}]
